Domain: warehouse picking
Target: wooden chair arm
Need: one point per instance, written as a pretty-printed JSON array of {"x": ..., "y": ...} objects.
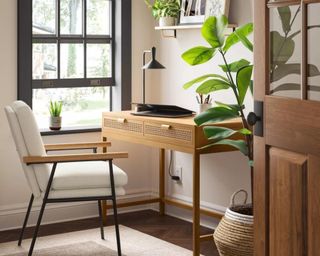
[
  {"x": 74, "y": 146},
  {"x": 73, "y": 158}
]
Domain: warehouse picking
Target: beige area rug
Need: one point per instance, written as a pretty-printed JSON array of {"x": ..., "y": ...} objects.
[{"x": 88, "y": 242}]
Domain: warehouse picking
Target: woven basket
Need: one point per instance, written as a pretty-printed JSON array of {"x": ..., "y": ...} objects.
[{"x": 234, "y": 234}]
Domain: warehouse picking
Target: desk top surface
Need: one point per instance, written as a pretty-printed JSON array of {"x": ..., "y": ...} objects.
[{"x": 181, "y": 120}]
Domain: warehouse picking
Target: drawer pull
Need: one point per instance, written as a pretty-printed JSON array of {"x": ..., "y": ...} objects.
[
  {"x": 121, "y": 120},
  {"x": 166, "y": 126}
]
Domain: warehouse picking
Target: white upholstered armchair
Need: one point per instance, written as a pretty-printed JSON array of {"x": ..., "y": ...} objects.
[{"x": 63, "y": 178}]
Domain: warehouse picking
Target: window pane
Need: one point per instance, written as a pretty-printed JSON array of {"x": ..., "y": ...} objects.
[
  {"x": 98, "y": 17},
  {"x": 70, "y": 17},
  {"x": 82, "y": 107},
  {"x": 71, "y": 58},
  {"x": 285, "y": 43},
  {"x": 43, "y": 16},
  {"x": 98, "y": 60},
  {"x": 44, "y": 61},
  {"x": 313, "y": 52}
]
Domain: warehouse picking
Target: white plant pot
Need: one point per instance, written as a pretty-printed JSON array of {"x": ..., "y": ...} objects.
[
  {"x": 55, "y": 123},
  {"x": 167, "y": 21},
  {"x": 203, "y": 107}
]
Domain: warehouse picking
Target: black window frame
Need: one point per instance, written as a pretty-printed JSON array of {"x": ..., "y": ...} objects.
[{"x": 121, "y": 67}]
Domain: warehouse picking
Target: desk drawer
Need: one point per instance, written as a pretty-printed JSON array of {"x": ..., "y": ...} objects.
[
  {"x": 167, "y": 131},
  {"x": 123, "y": 124}
]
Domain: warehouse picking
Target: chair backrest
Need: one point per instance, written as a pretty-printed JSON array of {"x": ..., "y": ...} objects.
[{"x": 28, "y": 142}]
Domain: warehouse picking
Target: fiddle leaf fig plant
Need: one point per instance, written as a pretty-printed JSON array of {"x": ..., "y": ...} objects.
[{"x": 237, "y": 78}]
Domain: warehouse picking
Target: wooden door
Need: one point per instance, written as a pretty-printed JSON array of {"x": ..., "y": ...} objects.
[{"x": 287, "y": 156}]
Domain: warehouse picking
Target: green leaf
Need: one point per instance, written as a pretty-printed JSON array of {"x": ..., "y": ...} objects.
[
  {"x": 244, "y": 131},
  {"x": 235, "y": 66},
  {"x": 214, "y": 115},
  {"x": 243, "y": 81},
  {"x": 217, "y": 133},
  {"x": 234, "y": 107},
  {"x": 198, "y": 55},
  {"x": 282, "y": 48},
  {"x": 202, "y": 78},
  {"x": 283, "y": 70},
  {"x": 238, "y": 144},
  {"x": 233, "y": 38},
  {"x": 285, "y": 17},
  {"x": 212, "y": 85},
  {"x": 244, "y": 40},
  {"x": 213, "y": 30},
  {"x": 251, "y": 87}
]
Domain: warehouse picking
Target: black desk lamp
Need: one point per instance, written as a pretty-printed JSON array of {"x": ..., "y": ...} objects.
[{"x": 153, "y": 64}]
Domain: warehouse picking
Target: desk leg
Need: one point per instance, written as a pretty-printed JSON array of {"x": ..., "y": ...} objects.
[
  {"x": 196, "y": 204},
  {"x": 104, "y": 202},
  {"x": 162, "y": 180}
]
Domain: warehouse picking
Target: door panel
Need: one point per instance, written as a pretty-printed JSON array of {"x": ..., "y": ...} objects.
[
  {"x": 314, "y": 206},
  {"x": 287, "y": 202},
  {"x": 293, "y": 124}
]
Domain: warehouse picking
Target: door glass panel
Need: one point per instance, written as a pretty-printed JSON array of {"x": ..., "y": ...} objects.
[
  {"x": 43, "y": 17},
  {"x": 80, "y": 106},
  {"x": 70, "y": 17},
  {"x": 285, "y": 51},
  {"x": 44, "y": 61},
  {"x": 72, "y": 61},
  {"x": 313, "y": 52}
]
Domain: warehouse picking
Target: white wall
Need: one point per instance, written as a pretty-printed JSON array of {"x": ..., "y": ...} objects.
[{"x": 221, "y": 173}]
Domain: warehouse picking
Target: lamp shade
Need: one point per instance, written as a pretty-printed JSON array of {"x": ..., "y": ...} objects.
[{"x": 153, "y": 64}]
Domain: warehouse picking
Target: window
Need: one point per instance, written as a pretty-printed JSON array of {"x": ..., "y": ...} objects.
[{"x": 66, "y": 52}]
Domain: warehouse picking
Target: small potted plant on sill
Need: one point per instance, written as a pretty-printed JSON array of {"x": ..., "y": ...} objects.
[
  {"x": 166, "y": 11},
  {"x": 55, "y": 109}
]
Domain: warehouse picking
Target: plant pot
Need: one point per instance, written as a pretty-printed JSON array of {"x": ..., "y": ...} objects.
[
  {"x": 55, "y": 123},
  {"x": 234, "y": 234},
  {"x": 167, "y": 21},
  {"x": 204, "y": 107}
]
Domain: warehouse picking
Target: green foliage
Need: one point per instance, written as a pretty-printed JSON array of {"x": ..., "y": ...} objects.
[
  {"x": 164, "y": 8},
  {"x": 198, "y": 55},
  {"x": 213, "y": 31},
  {"x": 243, "y": 81},
  {"x": 55, "y": 108}
]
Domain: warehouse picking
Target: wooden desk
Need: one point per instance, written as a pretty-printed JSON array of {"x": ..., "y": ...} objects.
[{"x": 179, "y": 134}]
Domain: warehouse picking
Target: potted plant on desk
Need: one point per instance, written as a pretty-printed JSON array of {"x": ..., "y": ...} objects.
[
  {"x": 234, "y": 235},
  {"x": 166, "y": 11}
]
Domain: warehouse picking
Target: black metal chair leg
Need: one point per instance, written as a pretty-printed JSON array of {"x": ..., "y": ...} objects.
[
  {"x": 37, "y": 228},
  {"x": 101, "y": 220},
  {"x": 45, "y": 198},
  {"x": 26, "y": 219},
  {"x": 114, "y": 204}
]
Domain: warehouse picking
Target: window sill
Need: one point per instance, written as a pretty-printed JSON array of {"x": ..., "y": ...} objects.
[{"x": 70, "y": 130}]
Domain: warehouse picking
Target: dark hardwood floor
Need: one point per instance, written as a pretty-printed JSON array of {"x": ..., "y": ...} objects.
[{"x": 167, "y": 228}]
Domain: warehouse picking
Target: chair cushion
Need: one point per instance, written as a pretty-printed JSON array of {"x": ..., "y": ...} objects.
[{"x": 87, "y": 175}]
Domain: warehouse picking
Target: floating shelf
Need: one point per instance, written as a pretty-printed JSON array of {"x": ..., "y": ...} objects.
[{"x": 185, "y": 27}]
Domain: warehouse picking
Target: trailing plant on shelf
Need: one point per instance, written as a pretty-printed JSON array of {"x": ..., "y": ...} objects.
[
  {"x": 237, "y": 78},
  {"x": 55, "y": 109},
  {"x": 165, "y": 10}
]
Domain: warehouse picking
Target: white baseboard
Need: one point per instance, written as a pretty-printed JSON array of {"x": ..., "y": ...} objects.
[{"x": 11, "y": 216}]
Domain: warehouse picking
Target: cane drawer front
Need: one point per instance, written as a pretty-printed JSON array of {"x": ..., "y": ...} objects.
[
  {"x": 121, "y": 124},
  {"x": 173, "y": 133}
]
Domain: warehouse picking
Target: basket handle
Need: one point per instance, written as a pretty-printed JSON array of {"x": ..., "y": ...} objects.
[{"x": 235, "y": 194}]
